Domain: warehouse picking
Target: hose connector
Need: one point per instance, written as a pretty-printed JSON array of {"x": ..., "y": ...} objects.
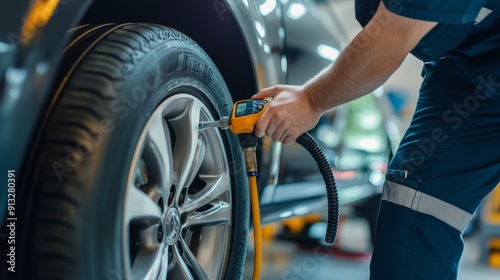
[
  {"x": 250, "y": 161},
  {"x": 248, "y": 141}
]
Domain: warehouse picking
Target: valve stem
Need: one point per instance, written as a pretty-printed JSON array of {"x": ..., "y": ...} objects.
[{"x": 223, "y": 123}]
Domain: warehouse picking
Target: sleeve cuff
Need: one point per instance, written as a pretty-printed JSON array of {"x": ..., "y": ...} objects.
[{"x": 447, "y": 13}]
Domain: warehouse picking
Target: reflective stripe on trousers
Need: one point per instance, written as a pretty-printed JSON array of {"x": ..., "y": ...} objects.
[{"x": 426, "y": 204}]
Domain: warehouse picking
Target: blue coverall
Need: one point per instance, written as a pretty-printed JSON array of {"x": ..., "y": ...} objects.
[{"x": 449, "y": 159}]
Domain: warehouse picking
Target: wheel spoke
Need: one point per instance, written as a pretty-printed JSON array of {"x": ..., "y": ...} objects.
[
  {"x": 216, "y": 186},
  {"x": 219, "y": 213},
  {"x": 189, "y": 152},
  {"x": 180, "y": 269},
  {"x": 148, "y": 264},
  {"x": 140, "y": 206},
  {"x": 159, "y": 149},
  {"x": 199, "y": 155},
  {"x": 190, "y": 258},
  {"x": 154, "y": 191}
]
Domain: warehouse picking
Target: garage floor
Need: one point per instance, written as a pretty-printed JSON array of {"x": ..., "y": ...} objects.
[{"x": 288, "y": 260}]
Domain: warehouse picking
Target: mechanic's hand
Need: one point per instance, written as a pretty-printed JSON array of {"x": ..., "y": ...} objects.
[{"x": 289, "y": 115}]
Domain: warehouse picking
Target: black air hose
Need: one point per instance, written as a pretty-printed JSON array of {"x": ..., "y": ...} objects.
[{"x": 306, "y": 141}]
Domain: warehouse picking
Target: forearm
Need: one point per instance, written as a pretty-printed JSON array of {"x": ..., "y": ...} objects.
[
  {"x": 362, "y": 67},
  {"x": 355, "y": 73},
  {"x": 371, "y": 58}
]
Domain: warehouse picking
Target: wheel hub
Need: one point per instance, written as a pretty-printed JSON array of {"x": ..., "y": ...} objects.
[{"x": 172, "y": 225}]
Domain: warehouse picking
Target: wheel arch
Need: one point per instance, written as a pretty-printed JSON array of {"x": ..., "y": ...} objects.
[
  {"x": 37, "y": 60},
  {"x": 211, "y": 24}
]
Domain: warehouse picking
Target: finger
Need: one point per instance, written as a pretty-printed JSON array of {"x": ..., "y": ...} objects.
[
  {"x": 288, "y": 139},
  {"x": 266, "y": 92},
  {"x": 279, "y": 133},
  {"x": 262, "y": 124},
  {"x": 283, "y": 137},
  {"x": 271, "y": 128}
]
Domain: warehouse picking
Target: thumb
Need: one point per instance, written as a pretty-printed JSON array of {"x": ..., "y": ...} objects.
[{"x": 266, "y": 92}]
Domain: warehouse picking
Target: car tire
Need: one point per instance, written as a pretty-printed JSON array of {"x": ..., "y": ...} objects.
[{"x": 125, "y": 185}]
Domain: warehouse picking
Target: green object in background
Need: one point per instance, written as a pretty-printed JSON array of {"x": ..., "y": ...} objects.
[{"x": 365, "y": 129}]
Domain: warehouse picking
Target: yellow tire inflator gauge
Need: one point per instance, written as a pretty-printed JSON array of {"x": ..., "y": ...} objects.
[{"x": 245, "y": 114}]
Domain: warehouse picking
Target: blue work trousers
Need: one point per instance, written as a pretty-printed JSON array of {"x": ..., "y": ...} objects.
[{"x": 448, "y": 161}]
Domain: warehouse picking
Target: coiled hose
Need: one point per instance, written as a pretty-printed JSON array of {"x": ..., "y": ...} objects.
[
  {"x": 306, "y": 141},
  {"x": 248, "y": 142}
]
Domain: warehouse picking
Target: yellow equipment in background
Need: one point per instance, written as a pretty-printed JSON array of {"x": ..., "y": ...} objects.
[{"x": 490, "y": 227}]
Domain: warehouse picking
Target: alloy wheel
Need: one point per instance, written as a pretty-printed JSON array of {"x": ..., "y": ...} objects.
[{"x": 177, "y": 210}]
